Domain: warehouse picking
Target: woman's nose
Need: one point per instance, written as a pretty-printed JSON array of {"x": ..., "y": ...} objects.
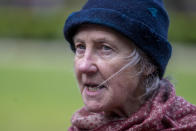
[{"x": 87, "y": 65}]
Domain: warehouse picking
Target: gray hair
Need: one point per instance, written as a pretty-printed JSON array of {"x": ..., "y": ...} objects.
[{"x": 150, "y": 82}]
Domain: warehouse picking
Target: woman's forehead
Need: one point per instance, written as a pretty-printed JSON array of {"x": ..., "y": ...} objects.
[{"x": 101, "y": 33}]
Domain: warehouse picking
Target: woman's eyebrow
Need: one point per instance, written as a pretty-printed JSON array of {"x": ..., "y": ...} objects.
[
  {"x": 95, "y": 40},
  {"x": 102, "y": 40},
  {"x": 78, "y": 40}
]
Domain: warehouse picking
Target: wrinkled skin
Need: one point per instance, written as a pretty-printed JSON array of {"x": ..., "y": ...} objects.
[{"x": 100, "y": 52}]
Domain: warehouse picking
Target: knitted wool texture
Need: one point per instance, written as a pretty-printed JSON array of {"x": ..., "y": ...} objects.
[
  {"x": 163, "y": 112},
  {"x": 145, "y": 22}
]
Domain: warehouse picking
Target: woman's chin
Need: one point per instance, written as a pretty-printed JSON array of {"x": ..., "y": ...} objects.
[
  {"x": 94, "y": 103},
  {"x": 93, "y": 107}
]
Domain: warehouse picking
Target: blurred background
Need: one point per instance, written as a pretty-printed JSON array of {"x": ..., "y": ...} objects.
[{"x": 38, "y": 90}]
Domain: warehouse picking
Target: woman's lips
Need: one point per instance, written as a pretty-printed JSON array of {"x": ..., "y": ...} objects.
[{"x": 93, "y": 89}]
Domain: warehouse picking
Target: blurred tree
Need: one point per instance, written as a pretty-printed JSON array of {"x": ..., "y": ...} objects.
[
  {"x": 187, "y": 6},
  {"x": 30, "y": 3}
]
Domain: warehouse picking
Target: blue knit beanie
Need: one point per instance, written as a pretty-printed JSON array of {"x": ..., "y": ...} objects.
[{"x": 145, "y": 22}]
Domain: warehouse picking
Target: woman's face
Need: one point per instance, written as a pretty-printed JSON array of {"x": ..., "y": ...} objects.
[{"x": 100, "y": 52}]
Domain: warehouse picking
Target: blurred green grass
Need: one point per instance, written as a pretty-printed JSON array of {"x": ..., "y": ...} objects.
[
  {"x": 38, "y": 89},
  {"x": 36, "y": 100},
  {"x": 37, "y": 86}
]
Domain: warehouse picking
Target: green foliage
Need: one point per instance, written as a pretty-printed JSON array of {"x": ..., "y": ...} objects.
[
  {"x": 48, "y": 24},
  {"x": 182, "y": 28},
  {"x": 26, "y": 23}
]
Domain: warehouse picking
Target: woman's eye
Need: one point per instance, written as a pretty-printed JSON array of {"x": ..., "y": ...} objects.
[
  {"x": 80, "y": 49},
  {"x": 106, "y": 50}
]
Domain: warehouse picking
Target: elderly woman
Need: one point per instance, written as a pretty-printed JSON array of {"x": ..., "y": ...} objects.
[{"x": 121, "y": 52}]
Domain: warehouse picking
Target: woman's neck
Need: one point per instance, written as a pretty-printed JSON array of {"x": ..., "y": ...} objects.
[{"x": 124, "y": 112}]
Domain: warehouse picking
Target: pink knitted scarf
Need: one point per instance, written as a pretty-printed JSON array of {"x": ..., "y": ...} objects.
[{"x": 165, "y": 111}]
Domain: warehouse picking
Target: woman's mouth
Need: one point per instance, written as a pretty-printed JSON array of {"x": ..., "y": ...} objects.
[
  {"x": 94, "y": 87},
  {"x": 93, "y": 90}
]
